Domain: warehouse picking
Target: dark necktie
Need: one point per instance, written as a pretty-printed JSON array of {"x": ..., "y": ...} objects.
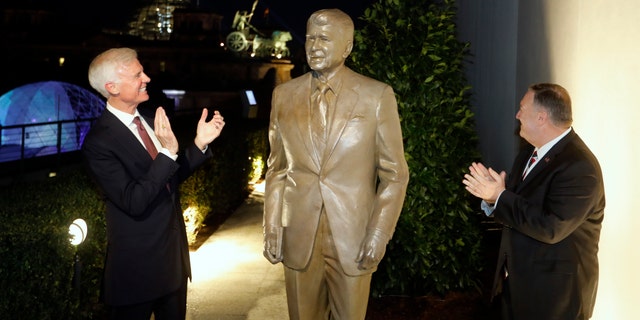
[
  {"x": 532, "y": 160},
  {"x": 151, "y": 148}
]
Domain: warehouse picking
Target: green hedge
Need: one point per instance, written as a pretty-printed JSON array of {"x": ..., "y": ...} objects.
[
  {"x": 36, "y": 259},
  {"x": 412, "y": 45}
]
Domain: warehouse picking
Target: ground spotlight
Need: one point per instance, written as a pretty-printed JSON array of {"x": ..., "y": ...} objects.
[{"x": 77, "y": 231}]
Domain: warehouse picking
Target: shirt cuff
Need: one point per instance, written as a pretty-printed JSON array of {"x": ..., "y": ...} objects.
[
  {"x": 488, "y": 208},
  {"x": 167, "y": 153}
]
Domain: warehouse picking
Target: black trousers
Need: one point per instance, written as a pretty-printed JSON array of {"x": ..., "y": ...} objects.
[
  {"x": 507, "y": 313},
  {"x": 169, "y": 307}
]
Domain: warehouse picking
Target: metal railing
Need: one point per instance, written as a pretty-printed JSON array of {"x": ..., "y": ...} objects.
[{"x": 24, "y": 141}]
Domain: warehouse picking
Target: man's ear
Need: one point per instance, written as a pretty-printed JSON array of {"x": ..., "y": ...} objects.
[
  {"x": 112, "y": 88},
  {"x": 543, "y": 116},
  {"x": 348, "y": 49}
]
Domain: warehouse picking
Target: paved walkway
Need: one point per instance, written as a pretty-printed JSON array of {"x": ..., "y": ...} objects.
[{"x": 231, "y": 278}]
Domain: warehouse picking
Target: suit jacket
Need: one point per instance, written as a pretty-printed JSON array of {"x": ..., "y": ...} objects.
[
  {"x": 147, "y": 248},
  {"x": 552, "y": 223},
  {"x": 361, "y": 178}
]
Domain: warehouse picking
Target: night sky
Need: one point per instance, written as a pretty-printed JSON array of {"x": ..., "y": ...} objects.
[{"x": 288, "y": 15}]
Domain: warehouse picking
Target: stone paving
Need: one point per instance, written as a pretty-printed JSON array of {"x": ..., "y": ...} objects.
[{"x": 231, "y": 278}]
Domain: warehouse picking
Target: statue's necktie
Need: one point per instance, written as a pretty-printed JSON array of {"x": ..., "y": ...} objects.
[
  {"x": 320, "y": 106},
  {"x": 322, "y": 103},
  {"x": 151, "y": 148},
  {"x": 532, "y": 160}
]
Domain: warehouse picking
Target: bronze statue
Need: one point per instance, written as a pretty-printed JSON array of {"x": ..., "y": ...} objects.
[{"x": 336, "y": 177}]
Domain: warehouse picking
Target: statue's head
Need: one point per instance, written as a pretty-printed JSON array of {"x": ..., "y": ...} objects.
[{"x": 329, "y": 40}]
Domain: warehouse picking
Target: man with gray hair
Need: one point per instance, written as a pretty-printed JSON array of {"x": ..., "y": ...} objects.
[{"x": 134, "y": 160}]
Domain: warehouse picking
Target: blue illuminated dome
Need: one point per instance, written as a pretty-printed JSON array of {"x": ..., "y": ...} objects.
[{"x": 45, "y": 118}]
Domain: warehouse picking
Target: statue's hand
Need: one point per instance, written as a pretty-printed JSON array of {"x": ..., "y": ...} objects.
[
  {"x": 372, "y": 250},
  {"x": 273, "y": 244}
]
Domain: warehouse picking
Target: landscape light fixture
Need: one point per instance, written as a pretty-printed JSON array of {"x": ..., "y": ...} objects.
[{"x": 78, "y": 231}]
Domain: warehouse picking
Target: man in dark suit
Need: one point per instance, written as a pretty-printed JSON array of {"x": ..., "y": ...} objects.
[
  {"x": 551, "y": 208},
  {"x": 336, "y": 177},
  {"x": 147, "y": 263}
]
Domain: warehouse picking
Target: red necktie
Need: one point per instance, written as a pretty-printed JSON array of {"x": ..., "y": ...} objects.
[
  {"x": 151, "y": 148},
  {"x": 532, "y": 160}
]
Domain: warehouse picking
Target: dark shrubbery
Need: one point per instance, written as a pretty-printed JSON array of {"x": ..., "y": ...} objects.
[
  {"x": 36, "y": 258},
  {"x": 412, "y": 45}
]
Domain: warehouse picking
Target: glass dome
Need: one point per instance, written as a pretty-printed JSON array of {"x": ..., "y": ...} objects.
[{"x": 45, "y": 118}]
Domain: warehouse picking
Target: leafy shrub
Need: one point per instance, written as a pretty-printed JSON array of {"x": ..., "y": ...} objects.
[
  {"x": 36, "y": 258},
  {"x": 412, "y": 45}
]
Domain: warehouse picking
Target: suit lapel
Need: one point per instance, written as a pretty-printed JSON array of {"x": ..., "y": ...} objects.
[
  {"x": 515, "y": 178},
  {"x": 345, "y": 104},
  {"x": 115, "y": 130},
  {"x": 547, "y": 159},
  {"x": 302, "y": 113},
  {"x": 339, "y": 114}
]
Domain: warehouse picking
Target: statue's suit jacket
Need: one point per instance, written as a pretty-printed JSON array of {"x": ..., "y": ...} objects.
[
  {"x": 552, "y": 223},
  {"x": 147, "y": 248},
  {"x": 361, "y": 178}
]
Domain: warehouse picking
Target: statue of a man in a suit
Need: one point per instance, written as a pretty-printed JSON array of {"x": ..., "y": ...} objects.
[{"x": 336, "y": 177}]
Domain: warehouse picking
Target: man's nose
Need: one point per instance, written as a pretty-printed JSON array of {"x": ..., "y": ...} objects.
[{"x": 314, "y": 43}]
